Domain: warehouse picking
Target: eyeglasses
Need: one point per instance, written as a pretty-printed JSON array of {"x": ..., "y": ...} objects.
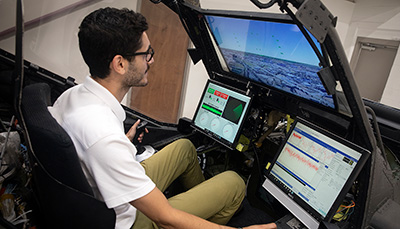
[{"x": 149, "y": 54}]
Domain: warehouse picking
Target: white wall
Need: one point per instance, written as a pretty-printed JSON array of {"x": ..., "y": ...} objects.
[
  {"x": 53, "y": 46},
  {"x": 380, "y": 20}
]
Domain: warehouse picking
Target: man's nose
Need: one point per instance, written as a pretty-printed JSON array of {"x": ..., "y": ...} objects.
[{"x": 151, "y": 61}]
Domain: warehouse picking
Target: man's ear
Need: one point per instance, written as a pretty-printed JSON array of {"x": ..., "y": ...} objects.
[{"x": 119, "y": 64}]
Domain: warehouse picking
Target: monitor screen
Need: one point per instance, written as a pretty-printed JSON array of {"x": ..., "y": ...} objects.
[
  {"x": 221, "y": 112},
  {"x": 314, "y": 169},
  {"x": 270, "y": 53}
]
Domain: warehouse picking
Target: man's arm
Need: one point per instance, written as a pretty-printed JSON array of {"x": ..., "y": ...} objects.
[{"x": 155, "y": 206}]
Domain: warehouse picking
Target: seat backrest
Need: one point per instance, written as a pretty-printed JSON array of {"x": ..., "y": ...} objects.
[
  {"x": 52, "y": 146},
  {"x": 59, "y": 183}
]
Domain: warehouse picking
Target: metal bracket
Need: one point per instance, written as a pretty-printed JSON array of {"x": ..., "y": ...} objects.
[
  {"x": 316, "y": 18},
  {"x": 195, "y": 55},
  {"x": 70, "y": 81},
  {"x": 328, "y": 80}
]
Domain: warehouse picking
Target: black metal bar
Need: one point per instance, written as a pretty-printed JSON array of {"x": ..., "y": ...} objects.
[{"x": 19, "y": 59}]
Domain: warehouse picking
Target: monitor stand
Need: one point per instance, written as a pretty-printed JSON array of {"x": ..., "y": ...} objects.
[
  {"x": 292, "y": 206},
  {"x": 289, "y": 222}
]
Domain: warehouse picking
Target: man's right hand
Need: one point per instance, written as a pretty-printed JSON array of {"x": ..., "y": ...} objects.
[
  {"x": 263, "y": 226},
  {"x": 132, "y": 132}
]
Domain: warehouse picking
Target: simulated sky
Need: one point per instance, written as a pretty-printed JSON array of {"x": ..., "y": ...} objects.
[{"x": 277, "y": 40}]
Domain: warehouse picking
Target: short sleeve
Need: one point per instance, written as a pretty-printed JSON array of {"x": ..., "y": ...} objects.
[{"x": 119, "y": 177}]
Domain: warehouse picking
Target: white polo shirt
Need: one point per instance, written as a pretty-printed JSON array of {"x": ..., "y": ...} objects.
[{"x": 93, "y": 118}]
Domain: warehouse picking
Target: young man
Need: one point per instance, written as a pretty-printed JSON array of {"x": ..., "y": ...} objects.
[{"x": 116, "y": 48}]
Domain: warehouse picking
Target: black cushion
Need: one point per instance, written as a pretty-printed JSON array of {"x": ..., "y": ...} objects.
[
  {"x": 64, "y": 197},
  {"x": 52, "y": 146}
]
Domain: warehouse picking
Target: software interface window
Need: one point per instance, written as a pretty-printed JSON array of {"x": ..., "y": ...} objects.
[{"x": 314, "y": 167}]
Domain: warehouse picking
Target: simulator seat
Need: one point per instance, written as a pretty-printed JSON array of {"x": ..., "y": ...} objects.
[{"x": 62, "y": 193}]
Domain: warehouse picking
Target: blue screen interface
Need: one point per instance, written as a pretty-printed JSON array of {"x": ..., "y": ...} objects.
[{"x": 273, "y": 54}]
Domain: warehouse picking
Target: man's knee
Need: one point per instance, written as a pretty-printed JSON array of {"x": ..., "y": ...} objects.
[
  {"x": 232, "y": 189},
  {"x": 186, "y": 147},
  {"x": 231, "y": 184},
  {"x": 233, "y": 180},
  {"x": 183, "y": 142}
]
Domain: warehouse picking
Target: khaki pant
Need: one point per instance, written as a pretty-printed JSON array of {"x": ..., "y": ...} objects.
[{"x": 215, "y": 199}]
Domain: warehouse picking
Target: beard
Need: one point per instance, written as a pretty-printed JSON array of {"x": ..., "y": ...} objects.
[{"x": 135, "y": 78}]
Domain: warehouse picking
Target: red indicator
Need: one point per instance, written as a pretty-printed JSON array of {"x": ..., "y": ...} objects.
[
  {"x": 220, "y": 94},
  {"x": 297, "y": 136}
]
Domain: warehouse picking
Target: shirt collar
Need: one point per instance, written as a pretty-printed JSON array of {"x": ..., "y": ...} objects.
[{"x": 106, "y": 96}]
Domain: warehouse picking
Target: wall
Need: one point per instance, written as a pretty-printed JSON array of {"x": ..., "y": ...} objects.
[
  {"x": 53, "y": 44},
  {"x": 380, "y": 20}
]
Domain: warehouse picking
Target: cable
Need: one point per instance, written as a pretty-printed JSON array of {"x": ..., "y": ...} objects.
[
  {"x": 22, "y": 215},
  {"x": 263, "y": 5},
  {"x": 3, "y": 177},
  {"x": 344, "y": 207},
  {"x": 2, "y": 125},
  {"x": 6, "y": 141},
  {"x": 20, "y": 221},
  {"x": 181, "y": 18},
  {"x": 378, "y": 132},
  {"x": 258, "y": 161},
  {"x": 253, "y": 145},
  {"x": 344, "y": 211}
]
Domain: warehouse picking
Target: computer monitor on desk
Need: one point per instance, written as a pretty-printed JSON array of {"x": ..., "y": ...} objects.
[{"x": 313, "y": 171}]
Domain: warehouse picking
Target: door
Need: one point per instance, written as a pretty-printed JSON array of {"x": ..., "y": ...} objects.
[
  {"x": 372, "y": 61},
  {"x": 160, "y": 99}
]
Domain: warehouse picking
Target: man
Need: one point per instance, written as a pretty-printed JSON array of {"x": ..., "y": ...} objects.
[{"x": 116, "y": 48}]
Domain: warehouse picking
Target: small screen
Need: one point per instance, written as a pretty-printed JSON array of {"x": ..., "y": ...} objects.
[
  {"x": 221, "y": 112},
  {"x": 315, "y": 167},
  {"x": 274, "y": 54}
]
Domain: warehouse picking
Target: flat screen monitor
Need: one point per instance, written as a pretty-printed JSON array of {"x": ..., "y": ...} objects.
[
  {"x": 221, "y": 112},
  {"x": 270, "y": 53},
  {"x": 313, "y": 171}
]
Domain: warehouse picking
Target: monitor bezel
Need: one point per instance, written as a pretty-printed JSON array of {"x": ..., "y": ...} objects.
[
  {"x": 361, "y": 162},
  {"x": 210, "y": 134}
]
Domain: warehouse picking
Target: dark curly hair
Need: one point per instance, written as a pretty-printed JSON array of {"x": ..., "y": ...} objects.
[{"x": 107, "y": 32}]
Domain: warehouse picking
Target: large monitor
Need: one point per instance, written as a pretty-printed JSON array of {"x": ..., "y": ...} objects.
[
  {"x": 313, "y": 171},
  {"x": 269, "y": 53},
  {"x": 221, "y": 112}
]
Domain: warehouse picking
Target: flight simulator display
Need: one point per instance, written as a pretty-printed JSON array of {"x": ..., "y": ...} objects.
[
  {"x": 221, "y": 112},
  {"x": 271, "y": 53},
  {"x": 313, "y": 171}
]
